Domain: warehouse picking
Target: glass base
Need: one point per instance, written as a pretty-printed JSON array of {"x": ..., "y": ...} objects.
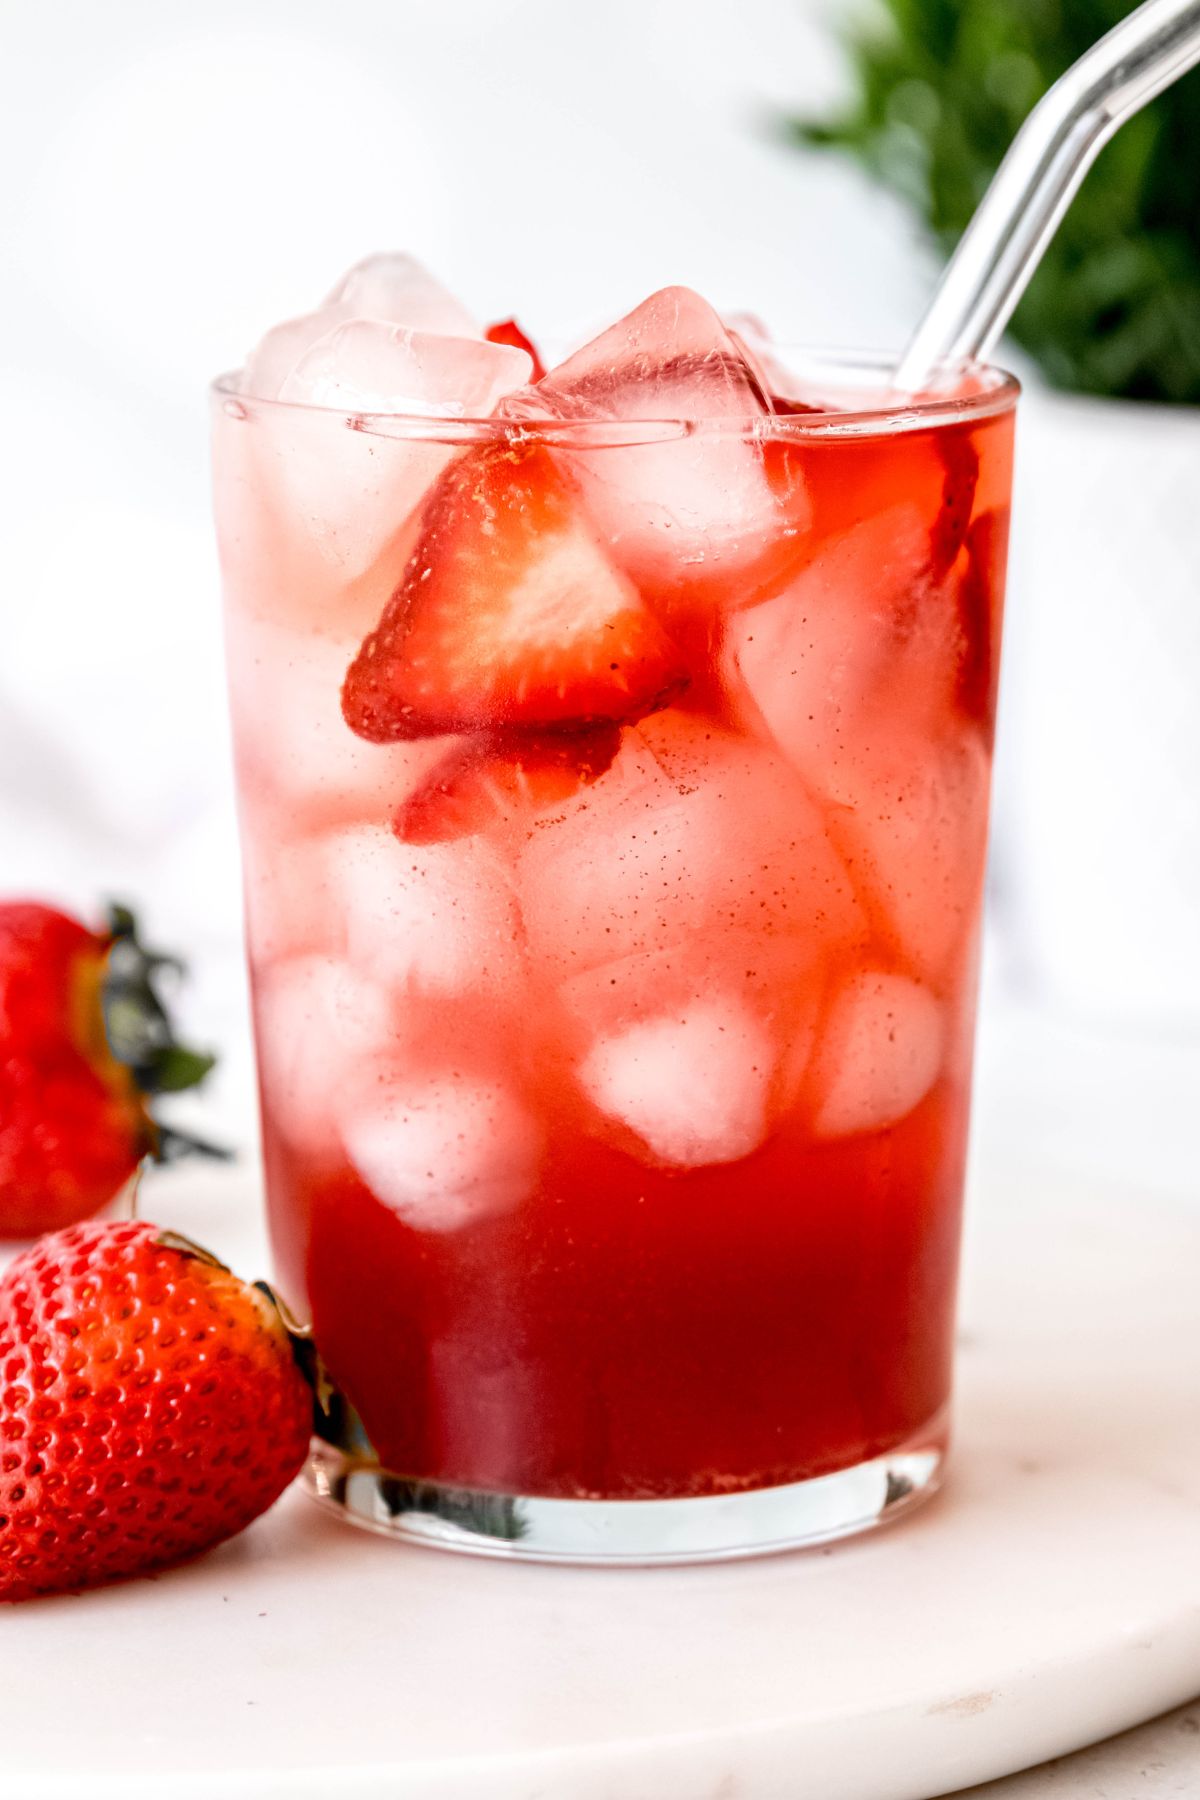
[{"x": 720, "y": 1528}]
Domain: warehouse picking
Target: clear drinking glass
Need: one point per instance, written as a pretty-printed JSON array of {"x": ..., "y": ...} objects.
[{"x": 615, "y": 1082}]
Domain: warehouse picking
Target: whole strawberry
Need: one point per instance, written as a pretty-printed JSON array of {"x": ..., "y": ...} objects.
[
  {"x": 151, "y": 1406},
  {"x": 84, "y": 1040}
]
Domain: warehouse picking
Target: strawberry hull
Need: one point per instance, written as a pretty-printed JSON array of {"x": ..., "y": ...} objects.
[{"x": 615, "y": 1028}]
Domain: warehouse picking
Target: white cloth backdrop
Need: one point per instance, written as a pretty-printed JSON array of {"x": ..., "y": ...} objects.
[{"x": 177, "y": 178}]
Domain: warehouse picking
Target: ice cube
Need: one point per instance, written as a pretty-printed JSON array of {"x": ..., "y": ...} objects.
[
  {"x": 692, "y": 1085},
  {"x": 365, "y": 366},
  {"x": 911, "y": 824},
  {"x": 283, "y": 876},
  {"x": 433, "y": 918},
  {"x": 694, "y": 510},
  {"x": 396, "y": 287},
  {"x": 779, "y": 978},
  {"x": 692, "y": 831},
  {"x": 390, "y": 289},
  {"x": 293, "y": 743},
  {"x": 780, "y": 982},
  {"x": 345, "y": 488},
  {"x": 283, "y": 568},
  {"x": 879, "y": 1055},
  {"x": 388, "y": 339},
  {"x": 268, "y": 570},
  {"x": 327, "y": 509},
  {"x": 755, "y": 344},
  {"x": 816, "y": 658},
  {"x": 444, "y": 1151},
  {"x": 670, "y": 358},
  {"x": 320, "y": 1028},
  {"x": 276, "y": 354}
]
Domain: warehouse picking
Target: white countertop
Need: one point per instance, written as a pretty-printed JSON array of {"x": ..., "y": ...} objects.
[
  {"x": 1051, "y": 1595},
  {"x": 1158, "y": 1761},
  {"x": 1067, "y": 1097}
]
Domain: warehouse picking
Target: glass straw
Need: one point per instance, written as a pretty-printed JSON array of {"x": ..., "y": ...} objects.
[{"x": 1038, "y": 178}]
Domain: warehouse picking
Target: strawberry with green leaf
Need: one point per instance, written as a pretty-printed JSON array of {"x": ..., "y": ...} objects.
[{"x": 85, "y": 1044}]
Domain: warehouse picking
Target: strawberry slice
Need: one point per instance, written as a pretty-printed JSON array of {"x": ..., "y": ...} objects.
[
  {"x": 961, "y": 461},
  {"x": 508, "y": 614},
  {"x": 980, "y": 597},
  {"x": 507, "y": 331},
  {"x": 785, "y": 408},
  {"x": 480, "y": 784}
]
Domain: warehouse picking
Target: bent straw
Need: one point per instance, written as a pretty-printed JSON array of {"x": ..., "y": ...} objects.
[{"x": 1038, "y": 179}]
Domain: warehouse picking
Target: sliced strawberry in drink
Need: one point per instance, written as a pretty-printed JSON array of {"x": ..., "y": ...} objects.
[
  {"x": 961, "y": 459},
  {"x": 783, "y": 407},
  {"x": 979, "y": 602},
  {"x": 479, "y": 785},
  {"x": 509, "y": 614},
  {"x": 852, "y": 480},
  {"x": 507, "y": 331}
]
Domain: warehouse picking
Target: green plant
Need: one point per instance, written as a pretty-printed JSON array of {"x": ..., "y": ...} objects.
[{"x": 941, "y": 87}]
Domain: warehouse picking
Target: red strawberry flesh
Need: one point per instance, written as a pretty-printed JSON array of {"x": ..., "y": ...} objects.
[
  {"x": 509, "y": 614},
  {"x": 42, "y": 954},
  {"x": 961, "y": 460},
  {"x": 979, "y": 595},
  {"x": 507, "y": 331},
  {"x": 72, "y": 1126},
  {"x": 794, "y": 408},
  {"x": 73, "y": 1116},
  {"x": 479, "y": 785}
]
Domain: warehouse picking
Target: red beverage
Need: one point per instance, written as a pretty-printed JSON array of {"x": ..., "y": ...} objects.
[{"x": 614, "y": 813}]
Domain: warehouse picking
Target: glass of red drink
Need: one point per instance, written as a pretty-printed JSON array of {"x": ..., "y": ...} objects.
[{"x": 614, "y": 767}]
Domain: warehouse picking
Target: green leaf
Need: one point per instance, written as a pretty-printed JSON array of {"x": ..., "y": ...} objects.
[
  {"x": 139, "y": 1030},
  {"x": 121, "y": 921},
  {"x": 171, "y": 1146},
  {"x": 176, "y": 1068},
  {"x": 940, "y": 87}
]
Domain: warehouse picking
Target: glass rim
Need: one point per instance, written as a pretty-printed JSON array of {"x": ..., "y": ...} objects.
[{"x": 993, "y": 391}]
